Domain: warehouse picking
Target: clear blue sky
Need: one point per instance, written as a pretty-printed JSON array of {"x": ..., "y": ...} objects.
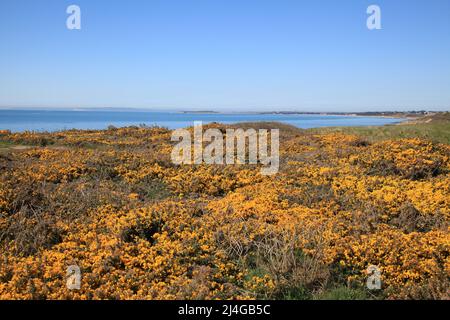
[{"x": 315, "y": 55}]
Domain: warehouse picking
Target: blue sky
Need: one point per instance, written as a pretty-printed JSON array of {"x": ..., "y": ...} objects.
[{"x": 260, "y": 55}]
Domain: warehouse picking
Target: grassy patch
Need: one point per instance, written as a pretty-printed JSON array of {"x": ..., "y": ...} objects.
[
  {"x": 5, "y": 144},
  {"x": 436, "y": 132},
  {"x": 343, "y": 293}
]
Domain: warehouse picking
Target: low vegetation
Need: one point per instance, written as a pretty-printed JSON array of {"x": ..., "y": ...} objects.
[
  {"x": 435, "y": 128},
  {"x": 140, "y": 227}
]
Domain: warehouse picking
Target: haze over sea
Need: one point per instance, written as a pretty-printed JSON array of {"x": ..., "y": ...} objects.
[{"x": 51, "y": 120}]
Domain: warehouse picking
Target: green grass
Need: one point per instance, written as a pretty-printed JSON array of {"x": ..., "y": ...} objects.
[
  {"x": 5, "y": 144},
  {"x": 436, "y": 131},
  {"x": 343, "y": 293}
]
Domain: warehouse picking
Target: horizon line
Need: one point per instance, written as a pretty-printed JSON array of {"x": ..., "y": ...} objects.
[{"x": 222, "y": 110}]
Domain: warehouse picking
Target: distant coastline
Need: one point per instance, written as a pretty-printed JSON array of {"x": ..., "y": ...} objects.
[
  {"x": 391, "y": 114},
  {"x": 388, "y": 114},
  {"x": 57, "y": 120}
]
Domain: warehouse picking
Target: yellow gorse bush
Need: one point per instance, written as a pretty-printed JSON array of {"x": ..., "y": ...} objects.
[{"x": 140, "y": 227}]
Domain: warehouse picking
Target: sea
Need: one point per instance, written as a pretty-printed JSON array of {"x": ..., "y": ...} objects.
[{"x": 51, "y": 120}]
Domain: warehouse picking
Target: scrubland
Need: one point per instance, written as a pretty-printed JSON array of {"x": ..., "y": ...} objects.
[{"x": 140, "y": 227}]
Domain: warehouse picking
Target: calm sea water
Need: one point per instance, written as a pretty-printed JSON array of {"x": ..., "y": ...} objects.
[{"x": 43, "y": 120}]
